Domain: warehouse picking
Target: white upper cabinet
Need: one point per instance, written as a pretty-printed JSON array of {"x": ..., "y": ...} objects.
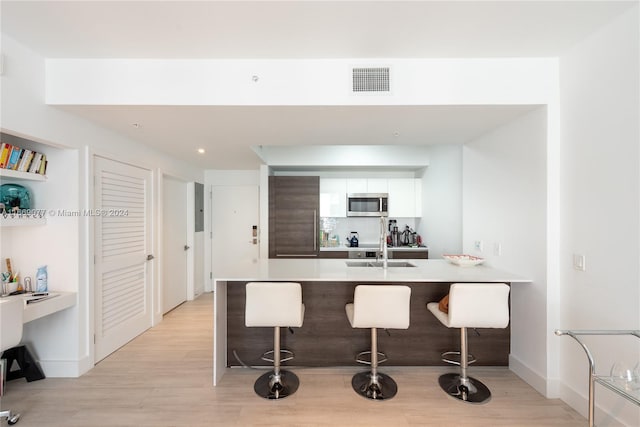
[
  {"x": 418, "y": 193},
  {"x": 405, "y": 197},
  {"x": 333, "y": 197},
  {"x": 367, "y": 185},
  {"x": 377, "y": 185},
  {"x": 356, "y": 185}
]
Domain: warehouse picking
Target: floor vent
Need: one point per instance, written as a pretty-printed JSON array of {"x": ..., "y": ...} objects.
[{"x": 371, "y": 79}]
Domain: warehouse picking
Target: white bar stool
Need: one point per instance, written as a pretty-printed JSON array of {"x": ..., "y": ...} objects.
[
  {"x": 471, "y": 305},
  {"x": 276, "y": 305},
  {"x": 378, "y": 306}
]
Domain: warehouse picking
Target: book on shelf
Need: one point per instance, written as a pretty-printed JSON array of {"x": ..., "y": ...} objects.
[
  {"x": 27, "y": 156},
  {"x": 43, "y": 165},
  {"x": 14, "y": 157},
  {"x": 35, "y": 163},
  {"x": 4, "y": 154}
]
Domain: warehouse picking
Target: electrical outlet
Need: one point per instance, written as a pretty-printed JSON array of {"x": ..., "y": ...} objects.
[
  {"x": 478, "y": 245},
  {"x": 579, "y": 262}
]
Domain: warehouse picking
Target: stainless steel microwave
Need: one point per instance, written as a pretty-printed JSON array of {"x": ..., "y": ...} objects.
[{"x": 367, "y": 204}]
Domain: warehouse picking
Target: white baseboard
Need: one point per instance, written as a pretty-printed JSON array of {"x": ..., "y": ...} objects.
[
  {"x": 65, "y": 368},
  {"x": 543, "y": 386},
  {"x": 622, "y": 414}
]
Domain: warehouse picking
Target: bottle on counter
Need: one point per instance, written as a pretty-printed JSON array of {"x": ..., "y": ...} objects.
[{"x": 395, "y": 235}]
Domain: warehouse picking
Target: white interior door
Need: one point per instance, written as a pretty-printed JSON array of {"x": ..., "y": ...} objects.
[
  {"x": 234, "y": 214},
  {"x": 174, "y": 243},
  {"x": 123, "y": 272}
]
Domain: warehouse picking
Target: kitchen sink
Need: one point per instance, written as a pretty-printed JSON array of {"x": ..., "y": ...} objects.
[{"x": 378, "y": 264}]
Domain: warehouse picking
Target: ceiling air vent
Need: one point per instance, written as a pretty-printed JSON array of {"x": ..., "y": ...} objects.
[{"x": 371, "y": 79}]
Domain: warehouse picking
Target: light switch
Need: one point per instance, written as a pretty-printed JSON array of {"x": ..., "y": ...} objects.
[
  {"x": 579, "y": 262},
  {"x": 478, "y": 245},
  {"x": 497, "y": 249}
]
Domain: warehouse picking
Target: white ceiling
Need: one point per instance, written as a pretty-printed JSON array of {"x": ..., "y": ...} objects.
[{"x": 300, "y": 29}]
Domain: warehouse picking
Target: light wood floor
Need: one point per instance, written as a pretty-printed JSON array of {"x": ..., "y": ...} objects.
[{"x": 164, "y": 378}]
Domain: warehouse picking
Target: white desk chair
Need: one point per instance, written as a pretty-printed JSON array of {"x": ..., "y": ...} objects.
[{"x": 11, "y": 312}]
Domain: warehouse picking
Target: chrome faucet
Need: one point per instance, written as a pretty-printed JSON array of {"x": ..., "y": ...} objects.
[{"x": 383, "y": 242}]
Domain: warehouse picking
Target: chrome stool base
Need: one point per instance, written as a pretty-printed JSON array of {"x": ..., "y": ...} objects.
[
  {"x": 11, "y": 418},
  {"x": 362, "y": 357},
  {"x": 288, "y": 355},
  {"x": 468, "y": 390},
  {"x": 447, "y": 357},
  {"x": 272, "y": 386},
  {"x": 384, "y": 387}
]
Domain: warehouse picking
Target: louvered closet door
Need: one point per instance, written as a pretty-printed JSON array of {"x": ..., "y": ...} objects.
[{"x": 122, "y": 244}]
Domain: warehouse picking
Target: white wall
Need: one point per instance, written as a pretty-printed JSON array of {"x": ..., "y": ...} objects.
[
  {"x": 441, "y": 223},
  {"x": 24, "y": 113},
  {"x": 352, "y": 157},
  {"x": 460, "y": 81},
  {"x": 600, "y": 208},
  {"x": 504, "y": 203}
]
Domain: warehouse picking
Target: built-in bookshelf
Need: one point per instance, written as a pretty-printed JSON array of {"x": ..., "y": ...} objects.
[
  {"x": 27, "y": 176},
  {"x": 29, "y": 164},
  {"x": 16, "y": 158}
]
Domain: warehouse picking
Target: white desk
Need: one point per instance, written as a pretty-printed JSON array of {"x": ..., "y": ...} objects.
[
  {"x": 15, "y": 312},
  {"x": 56, "y": 301}
]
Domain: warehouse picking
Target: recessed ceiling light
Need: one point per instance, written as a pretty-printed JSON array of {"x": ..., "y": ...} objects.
[{"x": 201, "y": 150}]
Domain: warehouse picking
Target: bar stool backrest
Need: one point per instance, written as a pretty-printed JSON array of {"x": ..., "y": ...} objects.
[
  {"x": 274, "y": 304},
  {"x": 381, "y": 306},
  {"x": 478, "y": 305}
]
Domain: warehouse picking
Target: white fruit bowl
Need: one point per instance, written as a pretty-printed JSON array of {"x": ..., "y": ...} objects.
[{"x": 464, "y": 260}]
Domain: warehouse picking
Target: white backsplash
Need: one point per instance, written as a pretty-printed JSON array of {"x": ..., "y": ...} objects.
[{"x": 368, "y": 229}]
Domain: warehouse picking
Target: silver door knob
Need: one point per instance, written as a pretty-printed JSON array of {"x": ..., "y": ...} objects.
[
  {"x": 150, "y": 257},
  {"x": 186, "y": 247}
]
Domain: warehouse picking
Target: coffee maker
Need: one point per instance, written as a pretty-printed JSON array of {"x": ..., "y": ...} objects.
[{"x": 393, "y": 232}]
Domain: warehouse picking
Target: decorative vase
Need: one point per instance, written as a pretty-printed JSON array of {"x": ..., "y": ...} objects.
[{"x": 14, "y": 198}]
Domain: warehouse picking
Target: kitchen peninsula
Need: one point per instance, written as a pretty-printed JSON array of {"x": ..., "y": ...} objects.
[{"x": 326, "y": 339}]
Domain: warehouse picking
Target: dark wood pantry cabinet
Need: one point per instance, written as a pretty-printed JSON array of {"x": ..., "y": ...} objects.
[{"x": 294, "y": 203}]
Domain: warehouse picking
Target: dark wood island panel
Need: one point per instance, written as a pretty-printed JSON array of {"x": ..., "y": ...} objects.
[{"x": 327, "y": 339}]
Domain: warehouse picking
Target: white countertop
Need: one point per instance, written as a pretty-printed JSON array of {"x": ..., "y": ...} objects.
[{"x": 336, "y": 270}]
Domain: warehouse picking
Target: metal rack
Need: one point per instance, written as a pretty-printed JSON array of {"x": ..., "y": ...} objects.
[{"x": 605, "y": 380}]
